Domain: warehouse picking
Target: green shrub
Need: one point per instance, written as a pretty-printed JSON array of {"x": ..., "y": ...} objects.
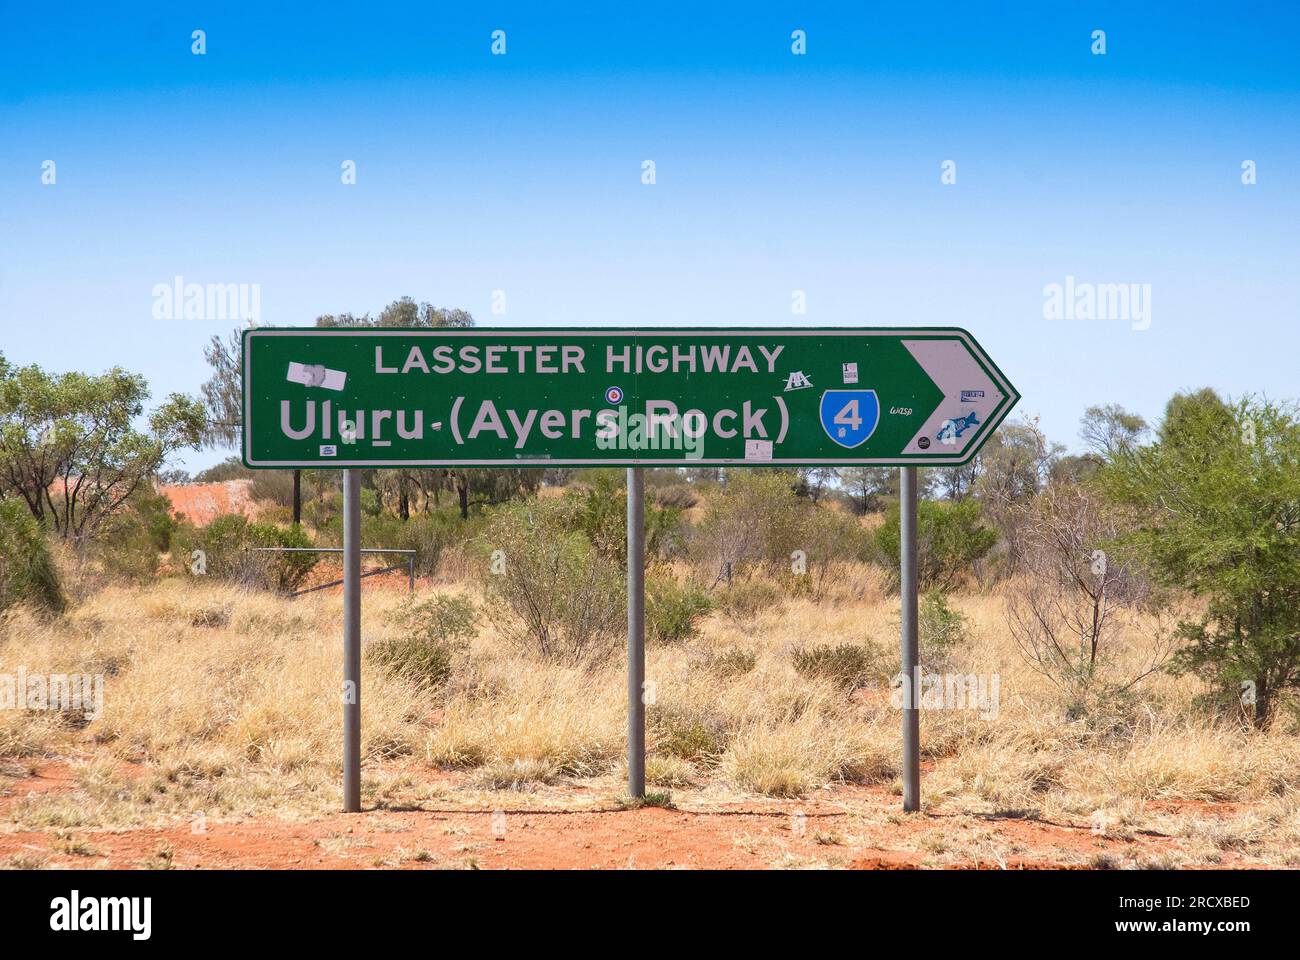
[
  {"x": 285, "y": 572},
  {"x": 940, "y": 628},
  {"x": 428, "y": 534},
  {"x": 752, "y": 522},
  {"x": 673, "y": 611},
  {"x": 433, "y": 631},
  {"x": 323, "y": 511},
  {"x": 322, "y": 499},
  {"x": 758, "y": 522},
  {"x": 950, "y": 537},
  {"x": 227, "y": 552},
  {"x": 550, "y": 591},
  {"x": 127, "y": 544},
  {"x": 596, "y": 507},
  {"x": 27, "y": 572},
  {"x": 847, "y": 665}
]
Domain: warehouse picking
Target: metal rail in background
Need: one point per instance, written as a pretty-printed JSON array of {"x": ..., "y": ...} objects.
[{"x": 409, "y": 564}]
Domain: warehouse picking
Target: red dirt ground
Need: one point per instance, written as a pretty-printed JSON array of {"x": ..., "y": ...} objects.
[
  {"x": 742, "y": 835},
  {"x": 329, "y": 570}
]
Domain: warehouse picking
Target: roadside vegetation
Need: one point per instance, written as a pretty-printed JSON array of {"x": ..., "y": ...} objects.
[{"x": 1135, "y": 609}]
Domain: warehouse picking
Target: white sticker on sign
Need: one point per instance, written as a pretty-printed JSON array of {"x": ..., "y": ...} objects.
[
  {"x": 758, "y": 449},
  {"x": 316, "y": 375},
  {"x": 329, "y": 450},
  {"x": 850, "y": 373}
]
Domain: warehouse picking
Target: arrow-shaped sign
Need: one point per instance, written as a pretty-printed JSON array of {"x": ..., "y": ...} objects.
[{"x": 388, "y": 397}]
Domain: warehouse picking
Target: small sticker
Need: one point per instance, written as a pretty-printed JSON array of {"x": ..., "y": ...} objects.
[
  {"x": 923, "y": 443},
  {"x": 614, "y": 395},
  {"x": 797, "y": 381},
  {"x": 316, "y": 375},
  {"x": 328, "y": 450},
  {"x": 950, "y": 430},
  {"x": 968, "y": 396},
  {"x": 758, "y": 449},
  {"x": 850, "y": 372}
]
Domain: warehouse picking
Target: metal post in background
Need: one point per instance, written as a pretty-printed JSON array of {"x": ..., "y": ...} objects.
[
  {"x": 351, "y": 641},
  {"x": 908, "y": 644},
  {"x": 635, "y": 632}
]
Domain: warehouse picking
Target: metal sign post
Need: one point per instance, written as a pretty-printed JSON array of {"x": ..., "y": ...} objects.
[
  {"x": 908, "y": 644},
  {"x": 341, "y": 398},
  {"x": 635, "y": 632},
  {"x": 351, "y": 641}
]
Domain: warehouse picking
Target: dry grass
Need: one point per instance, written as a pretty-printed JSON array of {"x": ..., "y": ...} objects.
[
  {"x": 227, "y": 702},
  {"x": 222, "y": 694}
]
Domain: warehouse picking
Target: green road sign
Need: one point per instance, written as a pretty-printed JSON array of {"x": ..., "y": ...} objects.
[{"x": 577, "y": 397}]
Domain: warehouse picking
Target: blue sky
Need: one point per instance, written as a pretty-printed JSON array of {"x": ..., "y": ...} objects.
[{"x": 774, "y": 173}]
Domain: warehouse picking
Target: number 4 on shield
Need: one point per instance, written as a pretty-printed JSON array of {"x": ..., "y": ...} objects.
[{"x": 849, "y": 417}]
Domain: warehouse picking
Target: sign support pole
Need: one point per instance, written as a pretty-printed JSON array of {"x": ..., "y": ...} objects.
[
  {"x": 351, "y": 641},
  {"x": 635, "y": 631},
  {"x": 908, "y": 646}
]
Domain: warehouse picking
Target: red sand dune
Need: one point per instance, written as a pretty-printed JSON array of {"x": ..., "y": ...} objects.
[{"x": 201, "y": 502}]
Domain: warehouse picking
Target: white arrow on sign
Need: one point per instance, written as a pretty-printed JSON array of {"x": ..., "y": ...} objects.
[{"x": 969, "y": 397}]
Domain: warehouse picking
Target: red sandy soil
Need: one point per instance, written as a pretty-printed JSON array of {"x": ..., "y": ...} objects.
[
  {"x": 327, "y": 571},
  {"x": 201, "y": 502},
  {"x": 442, "y": 834}
]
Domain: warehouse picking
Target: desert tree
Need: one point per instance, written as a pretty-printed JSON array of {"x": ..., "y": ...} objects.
[
  {"x": 403, "y": 312},
  {"x": 816, "y": 482},
  {"x": 868, "y": 487},
  {"x": 1216, "y": 498},
  {"x": 1078, "y": 604},
  {"x": 1015, "y": 464},
  {"x": 221, "y": 392},
  {"x": 953, "y": 483},
  {"x": 223, "y": 408},
  {"x": 1110, "y": 429},
  {"x": 70, "y": 448},
  {"x": 753, "y": 522}
]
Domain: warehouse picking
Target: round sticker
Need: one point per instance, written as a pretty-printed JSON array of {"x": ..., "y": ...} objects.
[{"x": 614, "y": 395}]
